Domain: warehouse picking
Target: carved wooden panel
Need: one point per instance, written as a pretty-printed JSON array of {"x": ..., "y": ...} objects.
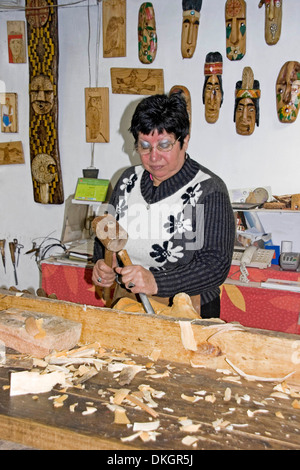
[
  {"x": 42, "y": 37},
  {"x": 16, "y": 42},
  {"x": 137, "y": 81},
  {"x": 97, "y": 114},
  {"x": 114, "y": 28},
  {"x": 9, "y": 112},
  {"x": 11, "y": 152}
]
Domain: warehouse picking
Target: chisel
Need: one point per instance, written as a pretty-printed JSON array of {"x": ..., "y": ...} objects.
[
  {"x": 12, "y": 249},
  {"x": 2, "y": 246}
]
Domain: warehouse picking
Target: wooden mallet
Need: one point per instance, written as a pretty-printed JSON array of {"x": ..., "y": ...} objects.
[{"x": 114, "y": 238}]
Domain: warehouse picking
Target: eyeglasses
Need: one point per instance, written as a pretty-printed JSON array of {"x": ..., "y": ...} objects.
[{"x": 145, "y": 148}]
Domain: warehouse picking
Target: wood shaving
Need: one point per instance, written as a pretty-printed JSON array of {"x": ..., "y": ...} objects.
[
  {"x": 155, "y": 354},
  {"x": 210, "y": 398},
  {"x": 252, "y": 413},
  {"x": 189, "y": 440},
  {"x": 296, "y": 404},
  {"x": 148, "y": 426},
  {"x": 190, "y": 428},
  {"x": 89, "y": 410},
  {"x": 278, "y": 414},
  {"x": 187, "y": 336},
  {"x": 191, "y": 399},
  {"x": 255, "y": 377},
  {"x": 72, "y": 407},
  {"x": 121, "y": 417},
  {"x": 227, "y": 394}
]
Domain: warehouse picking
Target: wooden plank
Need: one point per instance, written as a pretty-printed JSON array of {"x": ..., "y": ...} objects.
[
  {"x": 114, "y": 28},
  {"x": 137, "y": 81},
  {"x": 256, "y": 352}
]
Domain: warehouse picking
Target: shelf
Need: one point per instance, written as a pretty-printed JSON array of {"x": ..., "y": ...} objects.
[{"x": 87, "y": 203}]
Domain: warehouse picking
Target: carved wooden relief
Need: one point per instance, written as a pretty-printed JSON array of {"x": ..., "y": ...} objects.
[
  {"x": 9, "y": 112},
  {"x": 247, "y": 95},
  {"x": 147, "y": 37},
  {"x": 42, "y": 37},
  {"x": 273, "y": 19},
  {"x": 235, "y": 18},
  {"x": 97, "y": 114},
  {"x": 213, "y": 89},
  {"x": 190, "y": 25},
  {"x": 187, "y": 96},
  {"x": 288, "y": 92},
  {"x": 11, "y": 153},
  {"x": 16, "y": 42},
  {"x": 137, "y": 81},
  {"x": 114, "y": 28}
]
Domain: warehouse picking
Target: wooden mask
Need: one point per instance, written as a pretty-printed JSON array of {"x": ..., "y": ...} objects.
[
  {"x": 288, "y": 92},
  {"x": 273, "y": 17},
  {"x": 147, "y": 36},
  {"x": 246, "y": 112},
  {"x": 190, "y": 24},
  {"x": 187, "y": 96},
  {"x": 212, "y": 90},
  {"x": 235, "y": 17}
]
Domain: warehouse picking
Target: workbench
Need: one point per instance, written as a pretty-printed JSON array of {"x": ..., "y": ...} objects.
[{"x": 227, "y": 410}]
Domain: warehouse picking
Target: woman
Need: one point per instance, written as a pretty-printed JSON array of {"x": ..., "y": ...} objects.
[{"x": 176, "y": 212}]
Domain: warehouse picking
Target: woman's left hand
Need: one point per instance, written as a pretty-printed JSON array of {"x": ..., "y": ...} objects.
[{"x": 143, "y": 280}]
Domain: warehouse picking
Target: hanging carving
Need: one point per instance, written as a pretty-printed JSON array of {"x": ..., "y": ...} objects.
[
  {"x": 42, "y": 37},
  {"x": 247, "y": 95}
]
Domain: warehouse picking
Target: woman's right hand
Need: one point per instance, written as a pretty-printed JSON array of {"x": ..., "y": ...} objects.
[{"x": 104, "y": 275}]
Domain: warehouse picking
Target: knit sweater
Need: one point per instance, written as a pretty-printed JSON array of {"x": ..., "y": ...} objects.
[{"x": 182, "y": 231}]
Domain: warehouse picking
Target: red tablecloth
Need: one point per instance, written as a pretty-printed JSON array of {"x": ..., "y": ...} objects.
[
  {"x": 71, "y": 283},
  {"x": 258, "y": 307}
]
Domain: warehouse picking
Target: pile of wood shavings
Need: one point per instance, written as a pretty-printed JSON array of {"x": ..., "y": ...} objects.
[{"x": 81, "y": 364}]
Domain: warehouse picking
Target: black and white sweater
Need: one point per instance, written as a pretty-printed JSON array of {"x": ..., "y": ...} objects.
[{"x": 183, "y": 230}]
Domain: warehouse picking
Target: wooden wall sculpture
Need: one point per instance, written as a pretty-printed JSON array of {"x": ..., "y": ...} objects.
[
  {"x": 247, "y": 95},
  {"x": 288, "y": 92},
  {"x": 187, "y": 96},
  {"x": 235, "y": 18},
  {"x": 213, "y": 89},
  {"x": 114, "y": 28},
  {"x": 16, "y": 42},
  {"x": 190, "y": 25},
  {"x": 273, "y": 19},
  {"x": 137, "y": 81},
  {"x": 42, "y": 37},
  {"x": 9, "y": 112},
  {"x": 97, "y": 114},
  {"x": 147, "y": 37},
  {"x": 11, "y": 153}
]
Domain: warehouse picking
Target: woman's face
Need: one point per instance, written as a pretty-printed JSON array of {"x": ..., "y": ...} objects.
[{"x": 161, "y": 164}]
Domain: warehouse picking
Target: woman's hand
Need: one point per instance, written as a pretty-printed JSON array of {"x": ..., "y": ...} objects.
[
  {"x": 104, "y": 275},
  {"x": 143, "y": 280}
]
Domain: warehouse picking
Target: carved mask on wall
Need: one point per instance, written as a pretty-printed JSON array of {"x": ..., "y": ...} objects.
[
  {"x": 273, "y": 18},
  {"x": 212, "y": 90},
  {"x": 235, "y": 17},
  {"x": 190, "y": 24},
  {"x": 288, "y": 92},
  {"x": 246, "y": 112},
  {"x": 147, "y": 36}
]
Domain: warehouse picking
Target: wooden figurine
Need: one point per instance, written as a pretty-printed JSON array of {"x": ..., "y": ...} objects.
[
  {"x": 137, "y": 81},
  {"x": 114, "y": 28},
  {"x": 9, "y": 112},
  {"x": 246, "y": 112},
  {"x": 273, "y": 19},
  {"x": 288, "y": 92},
  {"x": 190, "y": 25},
  {"x": 97, "y": 114},
  {"x": 16, "y": 42},
  {"x": 235, "y": 17},
  {"x": 147, "y": 36},
  {"x": 42, "y": 32},
  {"x": 213, "y": 89}
]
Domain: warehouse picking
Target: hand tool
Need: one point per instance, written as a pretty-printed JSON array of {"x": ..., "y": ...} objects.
[
  {"x": 2, "y": 248},
  {"x": 114, "y": 239},
  {"x": 12, "y": 249},
  {"x": 18, "y": 248}
]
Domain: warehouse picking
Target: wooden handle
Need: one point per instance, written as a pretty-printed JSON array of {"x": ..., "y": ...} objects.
[
  {"x": 108, "y": 258},
  {"x": 124, "y": 257},
  {"x": 12, "y": 248}
]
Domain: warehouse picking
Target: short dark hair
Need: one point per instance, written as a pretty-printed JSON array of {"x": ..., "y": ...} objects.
[{"x": 161, "y": 112}]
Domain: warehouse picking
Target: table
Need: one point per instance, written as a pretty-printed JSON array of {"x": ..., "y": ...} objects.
[
  {"x": 257, "y": 307},
  {"x": 250, "y": 418}
]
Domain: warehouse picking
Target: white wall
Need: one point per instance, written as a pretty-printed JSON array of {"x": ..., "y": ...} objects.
[{"x": 269, "y": 157}]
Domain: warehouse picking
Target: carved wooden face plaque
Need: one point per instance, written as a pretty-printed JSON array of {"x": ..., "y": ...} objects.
[
  {"x": 288, "y": 92},
  {"x": 190, "y": 25},
  {"x": 212, "y": 89},
  {"x": 235, "y": 17},
  {"x": 147, "y": 36},
  {"x": 246, "y": 113},
  {"x": 42, "y": 35},
  {"x": 273, "y": 20}
]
